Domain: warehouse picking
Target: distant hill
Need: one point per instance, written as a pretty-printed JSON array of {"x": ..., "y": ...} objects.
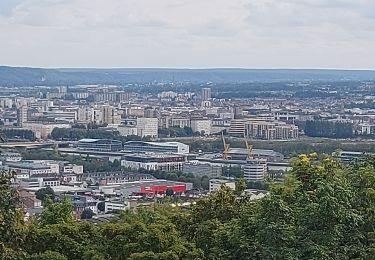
[{"x": 18, "y": 76}]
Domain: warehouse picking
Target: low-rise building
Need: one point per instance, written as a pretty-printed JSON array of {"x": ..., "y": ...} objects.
[
  {"x": 112, "y": 178},
  {"x": 127, "y": 130},
  {"x": 163, "y": 162},
  {"x": 43, "y": 130},
  {"x": 347, "y": 157},
  {"x": 156, "y": 147},
  {"x": 203, "y": 169},
  {"x": 29, "y": 200},
  {"x": 10, "y": 157},
  {"x": 111, "y": 206},
  {"x": 26, "y": 170},
  {"x": 216, "y": 184},
  {"x": 39, "y": 182},
  {"x": 80, "y": 203},
  {"x": 152, "y": 187}
]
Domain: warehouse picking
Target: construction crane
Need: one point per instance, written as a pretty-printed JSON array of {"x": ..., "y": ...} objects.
[
  {"x": 226, "y": 148},
  {"x": 249, "y": 148},
  {"x": 226, "y": 152}
]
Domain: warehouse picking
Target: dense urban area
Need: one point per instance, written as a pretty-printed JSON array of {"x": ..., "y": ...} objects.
[{"x": 175, "y": 169}]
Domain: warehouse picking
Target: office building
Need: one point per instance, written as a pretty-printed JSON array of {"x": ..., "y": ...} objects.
[
  {"x": 162, "y": 162},
  {"x": 200, "y": 169},
  {"x": 100, "y": 145},
  {"x": 127, "y": 130},
  {"x": 201, "y": 125},
  {"x": 242, "y": 154},
  {"x": 156, "y": 147},
  {"x": 237, "y": 128},
  {"x": 347, "y": 157},
  {"x": 39, "y": 182},
  {"x": 147, "y": 127},
  {"x": 112, "y": 178},
  {"x": 26, "y": 170}
]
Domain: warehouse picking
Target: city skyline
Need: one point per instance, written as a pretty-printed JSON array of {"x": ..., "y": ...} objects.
[{"x": 189, "y": 34}]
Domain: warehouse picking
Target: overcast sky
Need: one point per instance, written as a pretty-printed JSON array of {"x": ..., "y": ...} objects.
[{"x": 188, "y": 33}]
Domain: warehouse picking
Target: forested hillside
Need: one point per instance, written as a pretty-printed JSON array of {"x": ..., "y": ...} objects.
[{"x": 16, "y": 76}]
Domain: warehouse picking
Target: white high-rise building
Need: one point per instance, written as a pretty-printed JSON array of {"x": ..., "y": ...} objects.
[
  {"x": 147, "y": 127},
  {"x": 255, "y": 169},
  {"x": 206, "y": 94},
  {"x": 201, "y": 125}
]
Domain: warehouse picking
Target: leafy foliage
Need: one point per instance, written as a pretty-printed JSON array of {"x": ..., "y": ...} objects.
[
  {"x": 322, "y": 210},
  {"x": 57, "y": 213},
  {"x": 45, "y": 193},
  {"x": 11, "y": 217}
]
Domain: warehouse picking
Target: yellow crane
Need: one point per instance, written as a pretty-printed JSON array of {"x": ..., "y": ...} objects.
[
  {"x": 226, "y": 148},
  {"x": 249, "y": 148}
]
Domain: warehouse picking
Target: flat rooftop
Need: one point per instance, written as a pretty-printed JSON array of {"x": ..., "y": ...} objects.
[
  {"x": 60, "y": 189},
  {"x": 135, "y": 184}
]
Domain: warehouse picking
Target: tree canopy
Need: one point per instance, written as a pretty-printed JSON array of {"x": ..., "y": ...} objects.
[{"x": 322, "y": 210}]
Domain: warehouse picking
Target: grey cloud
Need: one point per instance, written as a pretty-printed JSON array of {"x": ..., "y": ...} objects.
[{"x": 188, "y": 33}]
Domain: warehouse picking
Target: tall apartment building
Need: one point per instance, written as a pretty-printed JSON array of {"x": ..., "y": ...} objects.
[
  {"x": 206, "y": 94},
  {"x": 109, "y": 115},
  {"x": 84, "y": 114},
  {"x": 119, "y": 96},
  {"x": 237, "y": 127},
  {"x": 147, "y": 127},
  {"x": 201, "y": 125},
  {"x": 270, "y": 130},
  {"x": 6, "y": 102},
  {"x": 22, "y": 115}
]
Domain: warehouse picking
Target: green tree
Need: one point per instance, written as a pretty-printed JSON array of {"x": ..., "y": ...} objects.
[
  {"x": 48, "y": 255},
  {"x": 11, "y": 217},
  {"x": 45, "y": 193},
  {"x": 57, "y": 213},
  {"x": 240, "y": 186}
]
